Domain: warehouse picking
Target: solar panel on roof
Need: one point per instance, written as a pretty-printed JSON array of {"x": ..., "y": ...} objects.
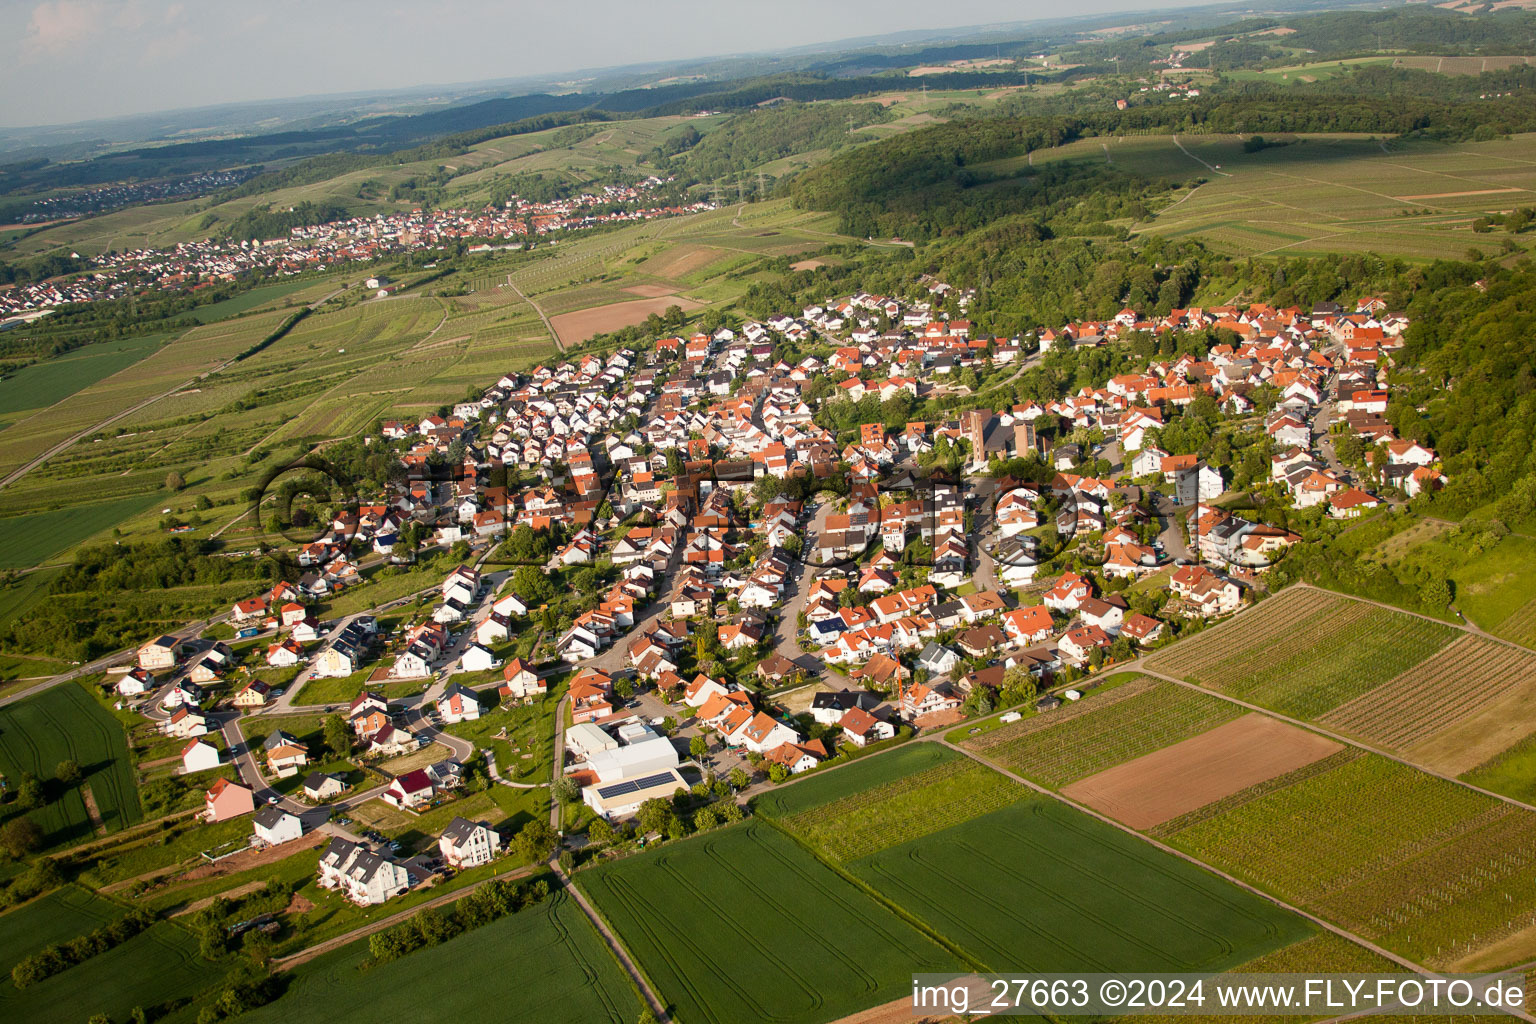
[{"x": 629, "y": 786}]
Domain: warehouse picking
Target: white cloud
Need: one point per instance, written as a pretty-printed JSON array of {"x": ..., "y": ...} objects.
[{"x": 58, "y": 25}]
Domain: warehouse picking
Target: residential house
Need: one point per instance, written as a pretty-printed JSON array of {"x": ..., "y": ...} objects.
[
  {"x": 468, "y": 844},
  {"x": 199, "y": 756},
  {"x": 321, "y": 786},
  {"x": 226, "y": 799},
  {"x": 411, "y": 790},
  {"x": 862, "y": 728},
  {"x": 274, "y": 826},
  {"x": 365, "y": 877}
]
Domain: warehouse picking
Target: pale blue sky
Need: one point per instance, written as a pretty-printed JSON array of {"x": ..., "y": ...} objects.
[{"x": 71, "y": 60}]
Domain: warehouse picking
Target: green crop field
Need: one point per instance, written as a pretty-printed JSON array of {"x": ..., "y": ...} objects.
[
  {"x": 34, "y": 539},
  {"x": 1099, "y": 732},
  {"x": 852, "y": 779},
  {"x": 559, "y": 971},
  {"x": 57, "y": 917},
  {"x": 742, "y": 924},
  {"x": 1304, "y": 652},
  {"x": 53, "y": 380},
  {"x": 154, "y": 967},
  {"x": 1425, "y": 867},
  {"x": 65, "y": 723},
  {"x": 1040, "y": 887},
  {"x": 925, "y": 801}
]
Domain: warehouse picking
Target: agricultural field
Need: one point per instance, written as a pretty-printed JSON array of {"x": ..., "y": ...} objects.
[
  {"x": 1185, "y": 776},
  {"x": 57, "y": 917},
  {"x": 1325, "y": 194},
  {"x": 564, "y": 972},
  {"x": 816, "y": 949},
  {"x": 29, "y": 540},
  {"x": 1304, "y": 652},
  {"x": 66, "y": 723},
  {"x": 1038, "y": 886},
  {"x": 53, "y": 380},
  {"x": 1080, "y": 895},
  {"x": 114, "y": 982},
  {"x": 1468, "y": 677},
  {"x": 1099, "y": 732},
  {"x": 1427, "y": 868},
  {"x": 579, "y": 325},
  {"x": 926, "y": 801}
]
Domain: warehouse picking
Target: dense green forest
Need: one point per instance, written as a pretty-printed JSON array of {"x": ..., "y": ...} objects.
[{"x": 762, "y": 136}]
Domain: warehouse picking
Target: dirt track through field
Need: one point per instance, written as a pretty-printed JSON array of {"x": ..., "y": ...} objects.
[{"x": 1156, "y": 787}]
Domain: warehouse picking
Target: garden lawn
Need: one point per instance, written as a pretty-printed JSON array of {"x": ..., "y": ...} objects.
[
  {"x": 563, "y": 972},
  {"x": 334, "y": 690},
  {"x": 742, "y": 924},
  {"x": 60, "y": 724},
  {"x": 1038, "y": 886}
]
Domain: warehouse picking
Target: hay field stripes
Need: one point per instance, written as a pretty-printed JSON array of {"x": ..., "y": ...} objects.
[{"x": 1436, "y": 693}]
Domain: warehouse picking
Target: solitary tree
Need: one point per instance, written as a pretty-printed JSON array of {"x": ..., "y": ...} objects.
[
  {"x": 699, "y": 748},
  {"x": 174, "y": 481},
  {"x": 68, "y": 772},
  {"x": 20, "y": 836},
  {"x": 567, "y": 791},
  {"x": 337, "y": 739}
]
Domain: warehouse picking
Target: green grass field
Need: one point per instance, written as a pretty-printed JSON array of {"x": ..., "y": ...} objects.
[
  {"x": 60, "y": 724},
  {"x": 1304, "y": 652},
  {"x": 562, "y": 972},
  {"x": 1039, "y": 887},
  {"x": 150, "y": 969},
  {"x": 53, "y": 380},
  {"x": 918, "y": 804},
  {"x": 34, "y": 539},
  {"x": 1102, "y": 730},
  {"x": 256, "y": 298},
  {"x": 742, "y": 924},
  {"x": 57, "y": 917}
]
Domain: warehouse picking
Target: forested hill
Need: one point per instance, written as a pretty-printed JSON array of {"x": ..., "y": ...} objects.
[{"x": 924, "y": 183}]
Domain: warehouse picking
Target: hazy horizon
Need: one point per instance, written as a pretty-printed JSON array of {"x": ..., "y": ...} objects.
[{"x": 67, "y": 61}]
